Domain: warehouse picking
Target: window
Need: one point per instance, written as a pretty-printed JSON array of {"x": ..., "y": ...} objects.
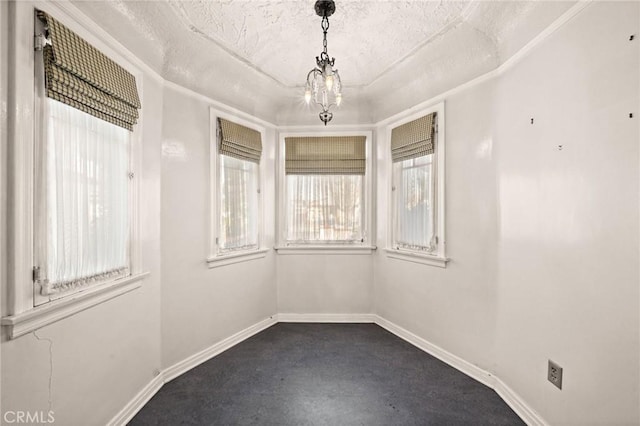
[
  {"x": 413, "y": 200},
  {"x": 88, "y": 107},
  {"x": 324, "y": 191},
  {"x": 82, "y": 204},
  {"x": 324, "y": 208},
  {"x": 239, "y": 204},
  {"x": 417, "y": 189},
  {"x": 236, "y": 198},
  {"x": 73, "y": 195}
]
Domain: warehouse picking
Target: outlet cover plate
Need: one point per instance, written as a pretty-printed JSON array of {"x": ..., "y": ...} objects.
[{"x": 554, "y": 374}]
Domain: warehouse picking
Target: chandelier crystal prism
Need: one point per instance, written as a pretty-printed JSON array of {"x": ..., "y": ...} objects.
[{"x": 323, "y": 85}]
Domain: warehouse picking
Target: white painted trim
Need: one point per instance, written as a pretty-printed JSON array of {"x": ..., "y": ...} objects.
[
  {"x": 511, "y": 398},
  {"x": 327, "y": 318},
  {"x": 28, "y": 321},
  {"x": 226, "y": 109},
  {"x": 456, "y": 362},
  {"x": 534, "y": 42},
  {"x": 214, "y": 189},
  {"x": 20, "y": 153},
  {"x": 208, "y": 353},
  {"x": 416, "y": 257},
  {"x": 530, "y": 416},
  {"x": 131, "y": 409},
  {"x": 439, "y": 258},
  {"x": 229, "y": 259},
  {"x": 181, "y": 367},
  {"x": 369, "y": 214},
  {"x": 320, "y": 130},
  {"x": 328, "y": 249}
]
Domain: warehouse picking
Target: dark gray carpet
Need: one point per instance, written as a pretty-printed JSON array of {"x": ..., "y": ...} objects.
[{"x": 325, "y": 374}]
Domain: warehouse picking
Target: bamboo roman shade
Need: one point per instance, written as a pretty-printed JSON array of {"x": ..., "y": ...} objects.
[
  {"x": 413, "y": 139},
  {"x": 344, "y": 155},
  {"x": 79, "y": 75},
  {"x": 239, "y": 142}
]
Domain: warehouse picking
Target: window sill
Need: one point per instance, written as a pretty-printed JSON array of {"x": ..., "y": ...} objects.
[
  {"x": 38, "y": 317},
  {"x": 325, "y": 249},
  {"x": 229, "y": 259},
  {"x": 425, "y": 259}
]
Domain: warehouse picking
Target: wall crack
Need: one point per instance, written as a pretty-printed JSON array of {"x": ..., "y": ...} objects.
[{"x": 44, "y": 339}]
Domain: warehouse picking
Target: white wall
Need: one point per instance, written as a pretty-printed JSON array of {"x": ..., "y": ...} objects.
[
  {"x": 325, "y": 284},
  {"x": 201, "y": 306},
  {"x": 543, "y": 242},
  {"x": 454, "y": 307},
  {"x": 568, "y": 283}
]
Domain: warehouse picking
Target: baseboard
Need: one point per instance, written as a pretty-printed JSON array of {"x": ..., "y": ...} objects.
[
  {"x": 208, "y": 353},
  {"x": 331, "y": 318},
  {"x": 456, "y": 362},
  {"x": 517, "y": 404},
  {"x": 512, "y": 399},
  {"x": 136, "y": 404},
  {"x": 138, "y": 401}
]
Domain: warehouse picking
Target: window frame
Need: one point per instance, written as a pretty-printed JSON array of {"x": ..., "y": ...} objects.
[
  {"x": 438, "y": 256},
  {"x": 329, "y": 247},
  {"x": 216, "y": 258},
  {"x": 22, "y": 315}
]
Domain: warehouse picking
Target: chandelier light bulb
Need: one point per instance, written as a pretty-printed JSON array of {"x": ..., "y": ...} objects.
[
  {"x": 329, "y": 82},
  {"x": 307, "y": 96},
  {"x": 338, "y": 99}
]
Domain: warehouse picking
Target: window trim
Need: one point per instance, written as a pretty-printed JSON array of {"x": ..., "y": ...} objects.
[
  {"x": 438, "y": 257},
  {"x": 22, "y": 136},
  {"x": 55, "y": 310},
  {"x": 317, "y": 247},
  {"x": 215, "y": 258}
]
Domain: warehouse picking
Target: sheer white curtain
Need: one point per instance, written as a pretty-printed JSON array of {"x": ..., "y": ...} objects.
[
  {"x": 239, "y": 204},
  {"x": 83, "y": 203},
  {"x": 414, "y": 212},
  {"x": 324, "y": 208}
]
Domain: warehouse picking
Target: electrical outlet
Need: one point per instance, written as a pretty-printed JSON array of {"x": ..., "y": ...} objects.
[{"x": 554, "y": 374}]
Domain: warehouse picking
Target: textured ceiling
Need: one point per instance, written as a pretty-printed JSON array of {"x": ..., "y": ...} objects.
[
  {"x": 367, "y": 38},
  {"x": 254, "y": 54}
]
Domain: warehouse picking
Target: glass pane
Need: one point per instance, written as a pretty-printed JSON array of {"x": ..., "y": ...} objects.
[
  {"x": 414, "y": 203},
  {"x": 239, "y": 200},
  {"x": 87, "y": 197},
  {"x": 324, "y": 208}
]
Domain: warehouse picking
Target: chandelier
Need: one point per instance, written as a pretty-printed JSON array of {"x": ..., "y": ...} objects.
[{"x": 323, "y": 82}]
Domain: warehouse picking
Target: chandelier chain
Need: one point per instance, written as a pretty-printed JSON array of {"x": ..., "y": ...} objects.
[{"x": 325, "y": 29}]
